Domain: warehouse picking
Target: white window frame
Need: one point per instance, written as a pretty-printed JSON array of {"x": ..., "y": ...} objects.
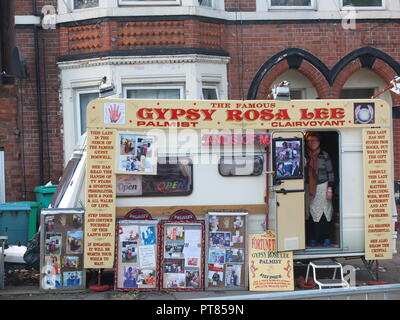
[
  {"x": 73, "y": 6},
  {"x": 347, "y": 8},
  {"x": 155, "y": 87},
  {"x": 149, "y": 2},
  {"x": 208, "y": 86},
  {"x": 312, "y": 6},
  {"x": 2, "y": 178},
  {"x": 78, "y": 119}
]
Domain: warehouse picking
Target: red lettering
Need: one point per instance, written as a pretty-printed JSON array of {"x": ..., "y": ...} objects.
[
  {"x": 267, "y": 115},
  {"x": 234, "y": 115},
  {"x": 208, "y": 113},
  {"x": 322, "y": 113},
  {"x": 337, "y": 113},
  {"x": 282, "y": 115},
  {"x": 176, "y": 113},
  {"x": 161, "y": 113},
  {"x": 305, "y": 114},
  {"x": 144, "y": 113},
  {"x": 251, "y": 115},
  {"x": 192, "y": 114}
]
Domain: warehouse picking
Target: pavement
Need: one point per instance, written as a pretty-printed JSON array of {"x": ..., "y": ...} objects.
[{"x": 388, "y": 271}]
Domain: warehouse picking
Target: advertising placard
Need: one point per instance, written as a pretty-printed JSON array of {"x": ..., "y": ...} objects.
[
  {"x": 62, "y": 249},
  {"x": 100, "y": 199},
  {"x": 378, "y": 192},
  {"x": 269, "y": 270}
]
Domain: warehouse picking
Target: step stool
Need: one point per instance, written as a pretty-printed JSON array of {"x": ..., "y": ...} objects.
[{"x": 327, "y": 282}]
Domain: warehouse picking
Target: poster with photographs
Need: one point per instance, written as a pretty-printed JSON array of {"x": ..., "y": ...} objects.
[
  {"x": 226, "y": 250},
  {"x": 182, "y": 256},
  {"x": 136, "y": 154},
  {"x": 61, "y": 250},
  {"x": 287, "y": 158},
  {"x": 136, "y": 258}
]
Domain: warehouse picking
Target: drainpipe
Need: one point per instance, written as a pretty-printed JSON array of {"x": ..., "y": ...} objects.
[{"x": 38, "y": 95}]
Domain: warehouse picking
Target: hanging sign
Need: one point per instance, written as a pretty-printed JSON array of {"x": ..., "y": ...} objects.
[
  {"x": 182, "y": 252},
  {"x": 269, "y": 270}
]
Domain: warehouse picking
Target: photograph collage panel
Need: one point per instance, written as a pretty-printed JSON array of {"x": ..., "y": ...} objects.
[
  {"x": 62, "y": 243},
  {"x": 137, "y": 255},
  {"x": 226, "y": 245},
  {"x": 136, "y": 154},
  {"x": 182, "y": 256}
]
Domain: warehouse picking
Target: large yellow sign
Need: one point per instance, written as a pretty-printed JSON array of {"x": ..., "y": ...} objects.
[
  {"x": 378, "y": 194},
  {"x": 100, "y": 199},
  {"x": 235, "y": 114}
]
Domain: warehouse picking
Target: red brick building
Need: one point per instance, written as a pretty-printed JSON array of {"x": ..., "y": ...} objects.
[{"x": 188, "y": 49}]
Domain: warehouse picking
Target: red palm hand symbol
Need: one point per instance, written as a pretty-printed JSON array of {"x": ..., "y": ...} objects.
[{"x": 114, "y": 113}]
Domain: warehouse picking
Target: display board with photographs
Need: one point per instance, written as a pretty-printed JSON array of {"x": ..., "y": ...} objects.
[
  {"x": 226, "y": 263},
  {"x": 136, "y": 256},
  {"x": 182, "y": 252},
  {"x": 136, "y": 154},
  {"x": 287, "y": 158},
  {"x": 61, "y": 250}
]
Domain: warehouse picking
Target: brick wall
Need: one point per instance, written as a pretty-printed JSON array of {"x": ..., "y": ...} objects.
[{"x": 11, "y": 142}]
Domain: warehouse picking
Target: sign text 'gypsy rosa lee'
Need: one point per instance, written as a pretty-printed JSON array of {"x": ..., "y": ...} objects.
[{"x": 179, "y": 114}]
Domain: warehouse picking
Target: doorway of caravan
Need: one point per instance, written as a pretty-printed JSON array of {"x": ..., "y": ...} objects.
[{"x": 322, "y": 203}]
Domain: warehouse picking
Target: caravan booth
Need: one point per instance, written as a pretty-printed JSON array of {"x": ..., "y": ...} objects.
[{"x": 206, "y": 156}]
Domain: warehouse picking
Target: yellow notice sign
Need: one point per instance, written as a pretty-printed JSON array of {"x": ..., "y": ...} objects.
[
  {"x": 100, "y": 199},
  {"x": 269, "y": 270},
  {"x": 378, "y": 194}
]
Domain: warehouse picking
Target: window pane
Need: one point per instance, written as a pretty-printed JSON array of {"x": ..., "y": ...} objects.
[
  {"x": 363, "y": 3},
  {"x": 82, "y": 4},
  {"x": 241, "y": 166},
  {"x": 303, "y": 3},
  {"x": 153, "y": 94},
  {"x": 296, "y": 94},
  {"x": 84, "y": 99},
  {"x": 206, "y": 3},
  {"x": 210, "y": 94},
  {"x": 360, "y": 93}
]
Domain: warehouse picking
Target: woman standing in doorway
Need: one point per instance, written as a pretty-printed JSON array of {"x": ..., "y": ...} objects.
[{"x": 319, "y": 179}]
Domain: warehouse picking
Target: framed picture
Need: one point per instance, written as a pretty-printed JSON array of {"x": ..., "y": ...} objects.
[
  {"x": 287, "y": 158},
  {"x": 136, "y": 154}
]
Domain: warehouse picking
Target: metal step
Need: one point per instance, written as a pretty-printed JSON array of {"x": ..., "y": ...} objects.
[{"x": 314, "y": 265}]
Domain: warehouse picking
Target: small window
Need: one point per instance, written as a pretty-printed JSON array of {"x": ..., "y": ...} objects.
[
  {"x": 149, "y": 2},
  {"x": 159, "y": 92},
  {"x": 291, "y": 4},
  {"x": 241, "y": 166},
  {"x": 297, "y": 94},
  {"x": 363, "y": 4},
  {"x": 174, "y": 178},
  {"x": 83, "y": 4},
  {"x": 84, "y": 97},
  {"x": 357, "y": 93},
  {"x": 206, "y": 3},
  {"x": 210, "y": 93}
]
